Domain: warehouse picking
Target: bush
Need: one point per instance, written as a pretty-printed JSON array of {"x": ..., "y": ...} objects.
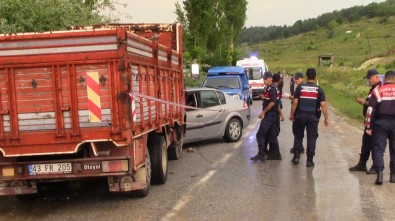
[{"x": 390, "y": 65}]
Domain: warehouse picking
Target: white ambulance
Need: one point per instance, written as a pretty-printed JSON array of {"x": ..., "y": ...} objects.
[{"x": 254, "y": 69}]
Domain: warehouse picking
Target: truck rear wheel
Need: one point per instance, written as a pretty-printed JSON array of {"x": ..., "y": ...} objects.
[
  {"x": 158, "y": 151},
  {"x": 146, "y": 170},
  {"x": 27, "y": 197},
  {"x": 175, "y": 151}
]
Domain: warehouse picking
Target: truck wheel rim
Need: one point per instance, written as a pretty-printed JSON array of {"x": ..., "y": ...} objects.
[{"x": 164, "y": 158}]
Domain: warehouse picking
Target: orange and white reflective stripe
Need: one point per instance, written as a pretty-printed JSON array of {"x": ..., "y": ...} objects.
[
  {"x": 93, "y": 89},
  {"x": 133, "y": 106}
]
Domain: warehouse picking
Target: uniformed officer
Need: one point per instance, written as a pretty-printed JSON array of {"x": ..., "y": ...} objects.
[
  {"x": 374, "y": 81},
  {"x": 268, "y": 116},
  {"x": 381, "y": 124},
  {"x": 298, "y": 80},
  {"x": 309, "y": 100},
  {"x": 274, "y": 153}
]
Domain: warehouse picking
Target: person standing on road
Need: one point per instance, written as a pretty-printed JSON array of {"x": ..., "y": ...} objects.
[
  {"x": 380, "y": 122},
  {"x": 309, "y": 100},
  {"x": 374, "y": 81},
  {"x": 292, "y": 85},
  {"x": 274, "y": 153},
  {"x": 298, "y": 80},
  {"x": 268, "y": 116}
]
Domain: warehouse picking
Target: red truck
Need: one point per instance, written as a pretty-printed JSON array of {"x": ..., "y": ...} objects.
[{"x": 93, "y": 102}]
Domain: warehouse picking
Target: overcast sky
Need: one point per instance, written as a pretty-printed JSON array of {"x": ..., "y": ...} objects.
[{"x": 259, "y": 12}]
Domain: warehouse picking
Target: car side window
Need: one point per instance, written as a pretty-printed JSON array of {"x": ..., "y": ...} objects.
[
  {"x": 209, "y": 99},
  {"x": 221, "y": 97},
  {"x": 191, "y": 101}
]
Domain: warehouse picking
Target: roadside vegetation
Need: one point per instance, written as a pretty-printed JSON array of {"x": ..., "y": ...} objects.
[
  {"x": 51, "y": 15},
  {"x": 356, "y": 47}
]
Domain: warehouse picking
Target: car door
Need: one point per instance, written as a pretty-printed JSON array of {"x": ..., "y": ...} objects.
[
  {"x": 194, "y": 118},
  {"x": 213, "y": 114}
]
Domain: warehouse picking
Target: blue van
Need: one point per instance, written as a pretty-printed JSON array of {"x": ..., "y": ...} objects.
[{"x": 231, "y": 80}]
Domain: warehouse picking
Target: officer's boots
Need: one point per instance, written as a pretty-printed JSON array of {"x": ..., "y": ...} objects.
[
  {"x": 371, "y": 170},
  {"x": 295, "y": 159},
  {"x": 379, "y": 179},
  {"x": 392, "y": 177},
  {"x": 274, "y": 152},
  {"x": 310, "y": 162},
  {"x": 259, "y": 156},
  {"x": 361, "y": 166}
]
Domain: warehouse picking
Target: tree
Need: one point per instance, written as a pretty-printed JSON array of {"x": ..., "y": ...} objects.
[
  {"x": 211, "y": 27},
  {"x": 234, "y": 19},
  {"x": 49, "y": 15}
]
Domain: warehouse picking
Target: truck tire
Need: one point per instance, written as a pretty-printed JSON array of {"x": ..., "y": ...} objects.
[
  {"x": 175, "y": 151},
  {"x": 158, "y": 153},
  {"x": 147, "y": 170},
  {"x": 27, "y": 197},
  {"x": 233, "y": 130}
]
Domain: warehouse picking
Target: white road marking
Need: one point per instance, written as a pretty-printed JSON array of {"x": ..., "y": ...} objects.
[{"x": 184, "y": 200}]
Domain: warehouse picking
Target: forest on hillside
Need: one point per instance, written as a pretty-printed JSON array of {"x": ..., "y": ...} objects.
[{"x": 329, "y": 21}]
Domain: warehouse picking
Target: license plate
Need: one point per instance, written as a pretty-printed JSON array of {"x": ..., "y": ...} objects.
[{"x": 53, "y": 168}]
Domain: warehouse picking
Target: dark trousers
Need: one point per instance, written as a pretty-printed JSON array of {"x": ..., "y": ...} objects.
[
  {"x": 366, "y": 147},
  {"x": 383, "y": 129},
  {"x": 277, "y": 124},
  {"x": 308, "y": 121},
  {"x": 268, "y": 131}
]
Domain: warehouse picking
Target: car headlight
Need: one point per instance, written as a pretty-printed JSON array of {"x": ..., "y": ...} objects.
[{"x": 236, "y": 97}]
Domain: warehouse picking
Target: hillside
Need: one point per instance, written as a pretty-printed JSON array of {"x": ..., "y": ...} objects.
[
  {"x": 352, "y": 57},
  {"x": 369, "y": 38}
]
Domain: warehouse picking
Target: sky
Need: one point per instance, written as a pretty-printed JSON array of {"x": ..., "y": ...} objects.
[{"x": 259, "y": 12}]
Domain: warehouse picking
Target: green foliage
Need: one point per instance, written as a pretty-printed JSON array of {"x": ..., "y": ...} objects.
[
  {"x": 343, "y": 104},
  {"x": 211, "y": 28},
  {"x": 390, "y": 65},
  {"x": 301, "y": 51},
  {"x": 327, "y": 21},
  {"x": 49, "y": 15}
]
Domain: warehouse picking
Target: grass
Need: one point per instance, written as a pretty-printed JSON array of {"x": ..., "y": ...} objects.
[
  {"x": 343, "y": 81},
  {"x": 344, "y": 105},
  {"x": 369, "y": 38}
]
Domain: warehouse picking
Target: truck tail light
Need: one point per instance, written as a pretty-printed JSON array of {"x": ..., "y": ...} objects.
[
  {"x": 115, "y": 166},
  {"x": 8, "y": 171}
]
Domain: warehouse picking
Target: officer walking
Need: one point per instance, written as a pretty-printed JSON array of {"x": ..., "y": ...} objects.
[
  {"x": 269, "y": 115},
  {"x": 309, "y": 100},
  {"x": 381, "y": 124},
  {"x": 298, "y": 80},
  {"x": 274, "y": 153},
  {"x": 374, "y": 81}
]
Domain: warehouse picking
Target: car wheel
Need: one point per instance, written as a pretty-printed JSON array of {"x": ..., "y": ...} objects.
[{"x": 233, "y": 130}]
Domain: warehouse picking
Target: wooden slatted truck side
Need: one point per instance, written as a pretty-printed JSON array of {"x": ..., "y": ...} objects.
[{"x": 93, "y": 102}]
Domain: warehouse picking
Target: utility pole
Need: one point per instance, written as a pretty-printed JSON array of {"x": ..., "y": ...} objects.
[{"x": 370, "y": 49}]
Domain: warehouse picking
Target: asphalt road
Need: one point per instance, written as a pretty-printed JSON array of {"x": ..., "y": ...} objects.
[{"x": 217, "y": 181}]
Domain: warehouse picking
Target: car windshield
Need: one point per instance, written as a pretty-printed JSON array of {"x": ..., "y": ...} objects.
[
  {"x": 254, "y": 73},
  {"x": 227, "y": 82}
]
